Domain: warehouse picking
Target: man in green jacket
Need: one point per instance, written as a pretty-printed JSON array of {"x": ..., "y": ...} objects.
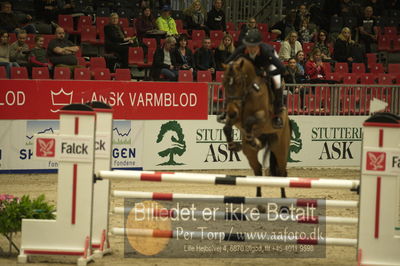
[{"x": 166, "y": 23}]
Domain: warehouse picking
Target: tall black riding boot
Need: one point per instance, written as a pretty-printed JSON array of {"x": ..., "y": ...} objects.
[{"x": 277, "y": 121}]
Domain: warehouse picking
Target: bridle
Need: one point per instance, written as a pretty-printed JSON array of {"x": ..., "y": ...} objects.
[{"x": 241, "y": 82}]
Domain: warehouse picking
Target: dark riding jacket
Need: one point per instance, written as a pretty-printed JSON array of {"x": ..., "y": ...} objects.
[{"x": 262, "y": 61}]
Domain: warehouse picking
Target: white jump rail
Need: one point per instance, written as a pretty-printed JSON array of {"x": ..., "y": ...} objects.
[
  {"x": 215, "y": 179},
  {"x": 163, "y": 196}
]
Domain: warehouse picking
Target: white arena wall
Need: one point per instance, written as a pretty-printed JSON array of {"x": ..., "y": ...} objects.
[{"x": 317, "y": 141}]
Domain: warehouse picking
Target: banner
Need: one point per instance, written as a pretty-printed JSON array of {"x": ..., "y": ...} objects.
[
  {"x": 42, "y": 99},
  {"x": 17, "y": 150},
  {"x": 323, "y": 141}
]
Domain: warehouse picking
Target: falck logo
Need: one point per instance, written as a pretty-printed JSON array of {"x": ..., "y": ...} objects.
[
  {"x": 376, "y": 161},
  {"x": 173, "y": 140},
  {"x": 61, "y": 98},
  {"x": 45, "y": 147}
]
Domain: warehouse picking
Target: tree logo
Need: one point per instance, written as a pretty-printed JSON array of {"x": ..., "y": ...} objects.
[
  {"x": 171, "y": 136},
  {"x": 296, "y": 143}
]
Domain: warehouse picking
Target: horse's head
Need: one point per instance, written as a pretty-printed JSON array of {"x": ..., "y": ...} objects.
[{"x": 238, "y": 78}]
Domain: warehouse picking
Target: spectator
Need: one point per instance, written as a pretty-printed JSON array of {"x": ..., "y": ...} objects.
[
  {"x": 293, "y": 74},
  {"x": 10, "y": 22},
  {"x": 301, "y": 62},
  {"x": 146, "y": 24},
  {"x": 307, "y": 31},
  {"x": 164, "y": 61},
  {"x": 204, "y": 57},
  {"x": 195, "y": 17},
  {"x": 344, "y": 47},
  {"x": 38, "y": 54},
  {"x": 315, "y": 68},
  {"x": 377, "y": 6},
  {"x": 323, "y": 46},
  {"x": 224, "y": 51},
  {"x": 47, "y": 10},
  {"x": 183, "y": 55},
  {"x": 5, "y": 53},
  {"x": 166, "y": 23},
  {"x": 250, "y": 25},
  {"x": 301, "y": 14},
  {"x": 116, "y": 41},
  {"x": 216, "y": 17},
  {"x": 341, "y": 8},
  {"x": 285, "y": 26},
  {"x": 368, "y": 28},
  {"x": 62, "y": 51},
  {"x": 290, "y": 47},
  {"x": 19, "y": 50}
]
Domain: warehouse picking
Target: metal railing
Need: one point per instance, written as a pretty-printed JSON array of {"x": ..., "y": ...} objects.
[
  {"x": 324, "y": 99},
  {"x": 268, "y": 11}
]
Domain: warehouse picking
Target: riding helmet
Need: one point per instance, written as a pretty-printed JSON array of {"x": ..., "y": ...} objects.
[{"x": 252, "y": 37}]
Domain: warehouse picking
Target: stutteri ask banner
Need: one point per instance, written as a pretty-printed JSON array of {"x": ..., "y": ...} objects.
[
  {"x": 325, "y": 141},
  {"x": 42, "y": 99}
]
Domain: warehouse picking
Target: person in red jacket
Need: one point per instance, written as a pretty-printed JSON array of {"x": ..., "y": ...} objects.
[
  {"x": 314, "y": 67},
  {"x": 38, "y": 54}
]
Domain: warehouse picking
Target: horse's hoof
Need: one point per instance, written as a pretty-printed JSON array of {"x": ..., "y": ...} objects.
[{"x": 261, "y": 209}]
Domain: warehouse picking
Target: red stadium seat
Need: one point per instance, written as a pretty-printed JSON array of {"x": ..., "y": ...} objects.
[
  {"x": 136, "y": 56},
  {"x": 358, "y": 68},
  {"x": 198, "y": 35},
  {"x": 40, "y": 73},
  {"x": 123, "y": 74},
  {"x": 82, "y": 74},
  {"x": 101, "y": 74},
  {"x": 341, "y": 67},
  {"x": 97, "y": 62},
  {"x": 350, "y": 78},
  {"x": 150, "y": 42},
  {"x": 3, "y": 72},
  {"x": 204, "y": 76},
  {"x": 217, "y": 35},
  {"x": 19, "y": 73},
  {"x": 376, "y": 68},
  {"x": 394, "y": 68},
  {"x": 101, "y": 22},
  {"x": 185, "y": 76},
  {"x": 385, "y": 79},
  {"x": 62, "y": 73},
  {"x": 368, "y": 79},
  {"x": 230, "y": 26}
]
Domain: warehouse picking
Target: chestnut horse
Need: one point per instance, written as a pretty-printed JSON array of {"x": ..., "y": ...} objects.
[{"x": 249, "y": 107}]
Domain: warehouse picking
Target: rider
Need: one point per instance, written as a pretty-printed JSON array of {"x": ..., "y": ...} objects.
[{"x": 264, "y": 58}]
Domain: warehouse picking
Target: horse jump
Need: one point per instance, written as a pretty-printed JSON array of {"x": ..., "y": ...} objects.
[{"x": 375, "y": 238}]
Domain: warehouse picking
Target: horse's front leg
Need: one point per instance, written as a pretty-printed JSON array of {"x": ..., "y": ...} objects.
[
  {"x": 249, "y": 124},
  {"x": 228, "y": 130},
  {"x": 232, "y": 146}
]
